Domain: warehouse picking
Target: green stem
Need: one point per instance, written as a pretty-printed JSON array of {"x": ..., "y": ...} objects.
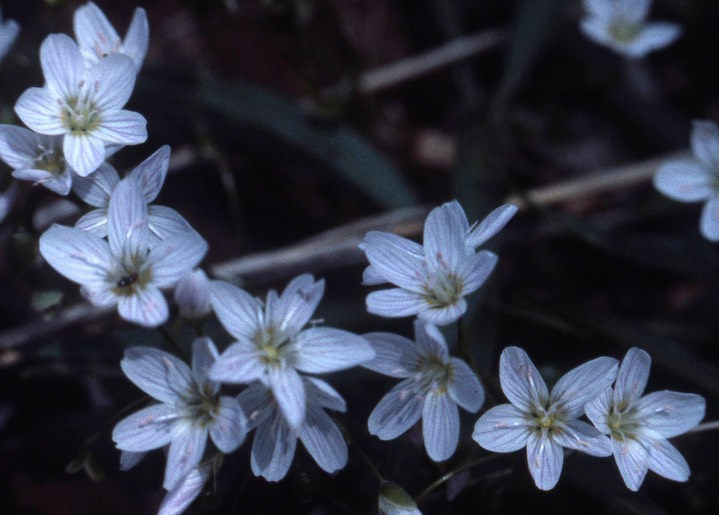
[
  {"x": 466, "y": 354},
  {"x": 170, "y": 341},
  {"x": 449, "y": 475}
]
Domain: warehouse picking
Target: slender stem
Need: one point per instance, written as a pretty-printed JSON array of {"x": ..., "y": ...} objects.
[
  {"x": 170, "y": 341},
  {"x": 466, "y": 353},
  {"x": 449, "y": 475},
  {"x": 362, "y": 454},
  {"x": 706, "y": 426}
]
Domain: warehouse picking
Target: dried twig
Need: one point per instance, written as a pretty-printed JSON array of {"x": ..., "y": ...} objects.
[{"x": 408, "y": 69}]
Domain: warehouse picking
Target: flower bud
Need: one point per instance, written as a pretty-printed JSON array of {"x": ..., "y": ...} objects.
[
  {"x": 192, "y": 295},
  {"x": 394, "y": 500}
]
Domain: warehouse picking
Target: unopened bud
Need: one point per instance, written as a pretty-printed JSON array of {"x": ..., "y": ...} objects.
[
  {"x": 394, "y": 500},
  {"x": 192, "y": 295}
]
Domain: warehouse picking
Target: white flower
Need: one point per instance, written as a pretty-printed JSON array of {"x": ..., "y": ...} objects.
[
  {"x": 274, "y": 347},
  {"x": 275, "y": 440},
  {"x": 8, "y": 33},
  {"x": 434, "y": 385},
  {"x": 696, "y": 179},
  {"x": 97, "y": 189},
  {"x": 82, "y": 104},
  {"x": 178, "y": 499},
  {"x": 544, "y": 422},
  {"x": 639, "y": 426},
  {"x": 129, "y": 269},
  {"x": 432, "y": 279},
  {"x": 192, "y": 295},
  {"x": 190, "y": 409},
  {"x": 35, "y": 157},
  {"x": 621, "y": 25},
  {"x": 97, "y": 38}
]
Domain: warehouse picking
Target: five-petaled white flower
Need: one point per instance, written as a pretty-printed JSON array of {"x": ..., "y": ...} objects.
[
  {"x": 8, "y": 33},
  {"x": 97, "y": 38},
  {"x": 696, "y": 179},
  {"x": 639, "y": 426},
  {"x": 82, "y": 104},
  {"x": 544, "y": 422},
  {"x": 274, "y": 347},
  {"x": 35, "y": 157},
  {"x": 129, "y": 269},
  {"x": 190, "y": 409},
  {"x": 621, "y": 25},
  {"x": 434, "y": 385},
  {"x": 275, "y": 440},
  {"x": 432, "y": 279},
  {"x": 97, "y": 189}
]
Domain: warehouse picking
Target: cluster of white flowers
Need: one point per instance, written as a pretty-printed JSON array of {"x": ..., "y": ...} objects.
[{"x": 126, "y": 251}]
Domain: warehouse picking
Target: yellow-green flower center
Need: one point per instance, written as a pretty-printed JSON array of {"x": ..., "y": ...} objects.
[{"x": 80, "y": 116}]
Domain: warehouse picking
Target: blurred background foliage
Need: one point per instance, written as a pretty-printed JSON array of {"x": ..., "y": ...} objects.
[{"x": 278, "y": 134}]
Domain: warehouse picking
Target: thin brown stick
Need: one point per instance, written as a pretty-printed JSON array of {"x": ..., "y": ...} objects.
[
  {"x": 603, "y": 180},
  {"x": 413, "y": 67}
]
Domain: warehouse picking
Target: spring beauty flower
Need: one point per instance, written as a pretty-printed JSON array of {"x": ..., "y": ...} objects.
[
  {"x": 35, "y": 157},
  {"x": 129, "y": 269},
  {"x": 96, "y": 190},
  {"x": 84, "y": 105},
  {"x": 545, "y": 422},
  {"x": 696, "y": 179},
  {"x": 97, "y": 37},
  {"x": 432, "y": 279},
  {"x": 433, "y": 386},
  {"x": 640, "y": 425},
  {"x": 621, "y": 25},
  {"x": 274, "y": 346},
  {"x": 275, "y": 440},
  {"x": 190, "y": 409}
]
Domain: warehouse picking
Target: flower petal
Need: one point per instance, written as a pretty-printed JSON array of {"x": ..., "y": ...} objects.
[
  {"x": 444, "y": 238},
  {"x": 165, "y": 222},
  {"x": 273, "y": 449},
  {"x": 62, "y": 65},
  {"x": 238, "y": 364},
  {"x": 395, "y": 302},
  {"x": 598, "y": 410},
  {"x": 671, "y": 413},
  {"x": 174, "y": 257},
  {"x": 520, "y": 380},
  {"x": 398, "y": 410},
  {"x": 667, "y": 461},
  {"x": 297, "y": 304},
  {"x": 476, "y": 269},
  {"x": 632, "y": 377},
  {"x": 580, "y": 436},
  {"x": 631, "y": 458},
  {"x": 321, "y": 394},
  {"x": 84, "y": 152},
  {"x": 323, "y": 440},
  {"x": 187, "y": 490},
  {"x": 151, "y": 173},
  {"x": 545, "y": 458},
  {"x": 398, "y": 260},
  {"x": 705, "y": 142},
  {"x": 185, "y": 453},
  {"x": 137, "y": 37},
  {"x": 395, "y": 356},
  {"x": 582, "y": 384},
  {"x": 289, "y": 392},
  {"x": 93, "y": 222},
  {"x": 324, "y": 349},
  {"x": 684, "y": 180},
  {"x": 464, "y": 388},
  {"x": 653, "y": 36},
  {"x": 81, "y": 257},
  {"x": 491, "y": 225},
  {"x": 97, "y": 188},
  {"x": 709, "y": 223},
  {"x": 157, "y": 373},
  {"x": 39, "y": 110},
  {"x": 121, "y": 127},
  {"x": 147, "y": 429},
  {"x": 146, "y": 307},
  {"x": 204, "y": 355},
  {"x": 113, "y": 79},
  {"x": 229, "y": 426},
  {"x": 504, "y": 428},
  {"x": 440, "y": 426},
  {"x": 93, "y": 31},
  {"x": 238, "y": 312}
]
